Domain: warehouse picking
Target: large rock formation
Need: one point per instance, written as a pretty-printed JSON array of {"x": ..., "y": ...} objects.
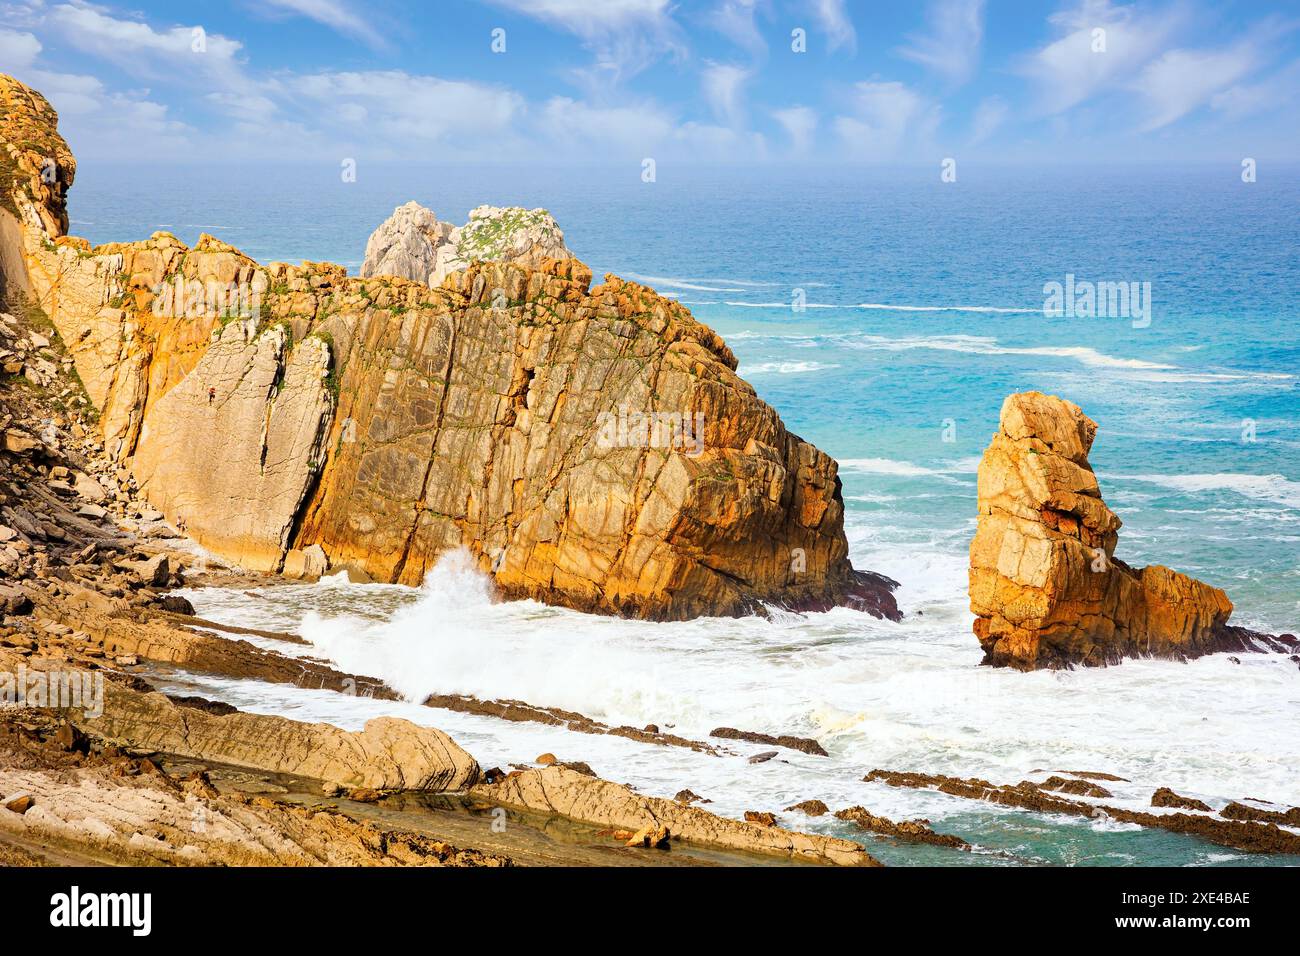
[
  {"x": 413, "y": 244},
  {"x": 1045, "y": 585},
  {"x": 591, "y": 446},
  {"x": 36, "y": 170}
]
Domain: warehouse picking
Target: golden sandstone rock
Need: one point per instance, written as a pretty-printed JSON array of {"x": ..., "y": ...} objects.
[
  {"x": 388, "y": 754},
  {"x": 589, "y": 446},
  {"x": 1045, "y": 586}
]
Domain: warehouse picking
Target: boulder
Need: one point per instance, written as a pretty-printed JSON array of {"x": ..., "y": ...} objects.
[
  {"x": 413, "y": 244},
  {"x": 1045, "y": 585},
  {"x": 14, "y": 600},
  {"x": 19, "y": 442},
  {"x": 308, "y": 564},
  {"x": 89, "y": 488},
  {"x": 388, "y": 754},
  {"x": 154, "y": 571}
]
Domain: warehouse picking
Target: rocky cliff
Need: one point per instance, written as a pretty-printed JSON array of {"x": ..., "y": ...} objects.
[
  {"x": 591, "y": 446},
  {"x": 1045, "y": 585}
]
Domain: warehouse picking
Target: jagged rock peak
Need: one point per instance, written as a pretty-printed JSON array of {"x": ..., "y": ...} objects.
[
  {"x": 414, "y": 244},
  {"x": 1045, "y": 585}
]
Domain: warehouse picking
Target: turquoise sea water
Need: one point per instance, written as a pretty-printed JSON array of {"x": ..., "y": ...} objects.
[{"x": 924, "y": 310}]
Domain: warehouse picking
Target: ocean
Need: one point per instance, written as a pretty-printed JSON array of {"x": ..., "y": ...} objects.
[{"x": 885, "y": 314}]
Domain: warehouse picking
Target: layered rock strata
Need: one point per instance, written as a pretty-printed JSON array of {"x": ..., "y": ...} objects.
[
  {"x": 589, "y": 446},
  {"x": 388, "y": 754},
  {"x": 573, "y": 794},
  {"x": 1045, "y": 585}
]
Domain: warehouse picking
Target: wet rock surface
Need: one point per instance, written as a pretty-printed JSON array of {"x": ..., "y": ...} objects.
[
  {"x": 911, "y": 831},
  {"x": 802, "y": 744},
  {"x": 1251, "y": 837},
  {"x": 600, "y": 802}
]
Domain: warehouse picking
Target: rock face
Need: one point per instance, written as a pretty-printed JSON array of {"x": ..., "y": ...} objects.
[
  {"x": 413, "y": 244},
  {"x": 590, "y": 446},
  {"x": 36, "y": 170},
  {"x": 1045, "y": 586},
  {"x": 389, "y": 753}
]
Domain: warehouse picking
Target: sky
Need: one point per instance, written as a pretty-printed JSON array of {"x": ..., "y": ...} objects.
[{"x": 702, "y": 81}]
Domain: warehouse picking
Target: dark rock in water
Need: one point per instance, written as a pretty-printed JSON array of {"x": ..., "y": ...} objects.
[
  {"x": 912, "y": 831},
  {"x": 1250, "y": 836},
  {"x": 579, "y": 766},
  {"x": 764, "y": 757},
  {"x": 762, "y": 819},
  {"x": 176, "y": 604},
  {"x": 1080, "y": 788},
  {"x": 1164, "y": 797},
  {"x": 866, "y": 591},
  {"x": 814, "y": 808},
  {"x": 802, "y": 744},
  {"x": 690, "y": 796},
  {"x": 217, "y": 708},
  {"x": 1239, "y": 811}
]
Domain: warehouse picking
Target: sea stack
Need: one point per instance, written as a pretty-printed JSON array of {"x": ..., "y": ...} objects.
[{"x": 1045, "y": 585}]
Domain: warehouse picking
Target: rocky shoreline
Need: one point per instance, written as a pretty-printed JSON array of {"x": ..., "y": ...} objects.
[{"x": 369, "y": 426}]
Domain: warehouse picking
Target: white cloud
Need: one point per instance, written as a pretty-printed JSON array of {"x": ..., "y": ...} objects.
[
  {"x": 1280, "y": 91},
  {"x": 626, "y": 36},
  {"x": 18, "y": 51},
  {"x": 399, "y": 107},
  {"x": 334, "y": 14},
  {"x": 1070, "y": 70},
  {"x": 136, "y": 46},
  {"x": 889, "y": 120},
  {"x": 990, "y": 114},
  {"x": 634, "y": 129},
  {"x": 112, "y": 124},
  {"x": 734, "y": 19},
  {"x": 1183, "y": 80},
  {"x": 723, "y": 84},
  {"x": 800, "y": 124},
  {"x": 952, "y": 46},
  {"x": 834, "y": 21}
]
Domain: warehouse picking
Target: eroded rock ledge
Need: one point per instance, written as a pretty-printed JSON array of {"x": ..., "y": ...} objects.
[
  {"x": 591, "y": 446},
  {"x": 1045, "y": 585}
]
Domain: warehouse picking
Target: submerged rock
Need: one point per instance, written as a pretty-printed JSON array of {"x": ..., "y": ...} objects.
[{"x": 1045, "y": 585}]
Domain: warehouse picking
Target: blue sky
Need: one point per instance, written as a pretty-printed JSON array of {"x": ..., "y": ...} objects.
[{"x": 601, "y": 81}]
